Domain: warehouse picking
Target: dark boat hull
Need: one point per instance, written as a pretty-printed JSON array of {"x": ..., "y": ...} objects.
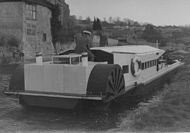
[
  {"x": 143, "y": 92},
  {"x": 138, "y": 93}
]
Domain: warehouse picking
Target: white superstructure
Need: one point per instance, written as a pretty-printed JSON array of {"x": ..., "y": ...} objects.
[{"x": 147, "y": 55}]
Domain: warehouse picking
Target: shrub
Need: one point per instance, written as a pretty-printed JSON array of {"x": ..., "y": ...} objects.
[
  {"x": 8, "y": 44},
  {"x": 12, "y": 41},
  {"x": 5, "y": 60}
]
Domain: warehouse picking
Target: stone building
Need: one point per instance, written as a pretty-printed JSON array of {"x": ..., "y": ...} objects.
[
  {"x": 64, "y": 11},
  {"x": 28, "y": 21}
]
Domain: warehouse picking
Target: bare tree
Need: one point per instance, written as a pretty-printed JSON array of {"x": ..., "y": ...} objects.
[
  {"x": 104, "y": 19},
  {"x": 80, "y": 18},
  {"x": 110, "y": 19},
  {"x": 126, "y": 20},
  {"x": 88, "y": 20}
]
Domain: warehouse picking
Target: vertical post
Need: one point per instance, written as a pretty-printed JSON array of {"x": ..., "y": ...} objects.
[
  {"x": 85, "y": 59},
  {"x": 157, "y": 44},
  {"x": 39, "y": 59}
]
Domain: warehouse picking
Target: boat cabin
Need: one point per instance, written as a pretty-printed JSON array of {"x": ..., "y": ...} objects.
[
  {"x": 70, "y": 72},
  {"x": 139, "y": 62}
]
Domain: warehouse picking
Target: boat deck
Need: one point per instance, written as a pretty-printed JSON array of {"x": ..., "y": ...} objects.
[{"x": 91, "y": 97}]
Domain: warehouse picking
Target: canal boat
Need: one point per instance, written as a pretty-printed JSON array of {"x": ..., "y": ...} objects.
[{"x": 70, "y": 79}]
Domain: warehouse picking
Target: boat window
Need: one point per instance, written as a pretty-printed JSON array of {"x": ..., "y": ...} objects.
[
  {"x": 102, "y": 56},
  {"x": 146, "y": 64},
  {"x": 149, "y": 64},
  {"x": 143, "y": 66},
  {"x": 125, "y": 69}
]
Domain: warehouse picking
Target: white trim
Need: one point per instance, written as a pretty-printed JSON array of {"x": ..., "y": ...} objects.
[{"x": 172, "y": 67}]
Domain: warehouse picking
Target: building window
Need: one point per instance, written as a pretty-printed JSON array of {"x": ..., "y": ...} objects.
[
  {"x": 31, "y": 11},
  {"x": 126, "y": 69},
  {"x": 31, "y": 29},
  {"x": 44, "y": 37}
]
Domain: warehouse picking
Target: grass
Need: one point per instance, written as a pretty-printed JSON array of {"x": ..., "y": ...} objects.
[
  {"x": 168, "y": 111},
  {"x": 8, "y": 69}
]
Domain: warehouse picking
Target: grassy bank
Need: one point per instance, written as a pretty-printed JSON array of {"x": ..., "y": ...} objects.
[{"x": 167, "y": 111}]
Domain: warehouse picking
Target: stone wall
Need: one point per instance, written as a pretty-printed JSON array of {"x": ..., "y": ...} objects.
[
  {"x": 64, "y": 11},
  {"x": 44, "y": 28},
  {"x": 13, "y": 22},
  {"x": 41, "y": 41}
]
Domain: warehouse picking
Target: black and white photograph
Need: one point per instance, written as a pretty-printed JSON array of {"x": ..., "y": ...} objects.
[{"x": 101, "y": 66}]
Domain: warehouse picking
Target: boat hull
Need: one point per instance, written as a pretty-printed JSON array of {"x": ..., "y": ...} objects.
[
  {"x": 142, "y": 92},
  {"x": 62, "y": 103},
  {"x": 138, "y": 93}
]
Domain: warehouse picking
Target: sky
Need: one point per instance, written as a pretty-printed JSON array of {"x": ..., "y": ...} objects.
[{"x": 157, "y": 12}]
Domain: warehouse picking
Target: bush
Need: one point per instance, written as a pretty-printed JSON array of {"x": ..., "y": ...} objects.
[
  {"x": 12, "y": 41},
  {"x": 8, "y": 44},
  {"x": 17, "y": 79},
  {"x": 9, "y": 41},
  {"x": 150, "y": 34},
  {"x": 5, "y": 60}
]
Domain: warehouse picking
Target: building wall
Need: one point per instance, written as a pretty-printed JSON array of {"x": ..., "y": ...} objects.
[
  {"x": 44, "y": 28},
  {"x": 11, "y": 18},
  {"x": 13, "y": 21},
  {"x": 64, "y": 11},
  {"x": 40, "y": 40}
]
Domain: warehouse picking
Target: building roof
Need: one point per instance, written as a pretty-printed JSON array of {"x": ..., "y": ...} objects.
[
  {"x": 39, "y": 2},
  {"x": 132, "y": 49}
]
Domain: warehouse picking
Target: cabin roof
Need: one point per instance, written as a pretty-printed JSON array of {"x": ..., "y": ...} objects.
[{"x": 133, "y": 49}]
